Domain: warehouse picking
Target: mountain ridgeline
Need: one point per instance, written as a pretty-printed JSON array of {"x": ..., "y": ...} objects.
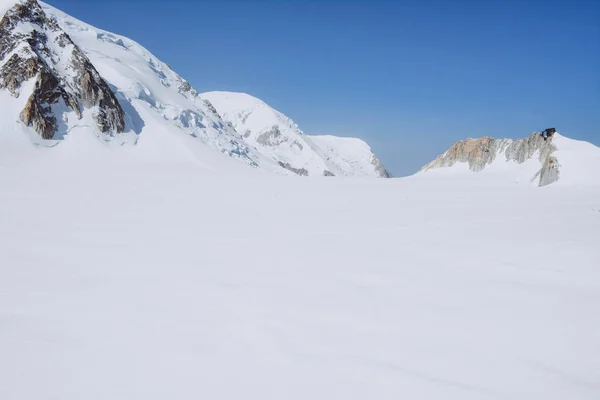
[
  {"x": 62, "y": 80},
  {"x": 64, "y": 77},
  {"x": 480, "y": 153}
]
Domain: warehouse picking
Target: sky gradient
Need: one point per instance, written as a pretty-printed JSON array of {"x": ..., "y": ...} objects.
[{"x": 409, "y": 77}]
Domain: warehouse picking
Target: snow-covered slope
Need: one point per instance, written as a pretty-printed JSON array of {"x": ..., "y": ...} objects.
[
  {"x": 276, "y": 136},
  {"x": 349, "y": 156},
  {"x": 154, "y": 278},
  {"x": 166, "y": 270},
  {"x": 80, "y": 80},
  {"x": 532, "y": 159},
  {"x": 61, "y": 77}
]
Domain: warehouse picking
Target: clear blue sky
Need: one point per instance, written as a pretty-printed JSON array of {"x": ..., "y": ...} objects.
[{"x": 410, "y": 77}]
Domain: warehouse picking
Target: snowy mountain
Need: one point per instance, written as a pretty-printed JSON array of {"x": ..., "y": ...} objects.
[
  {"x": 535, "y": 159},
  {"x": 276, "y": 136},
  {"x": 138, "y": 262},
  {"x": 61, "y": 78}
]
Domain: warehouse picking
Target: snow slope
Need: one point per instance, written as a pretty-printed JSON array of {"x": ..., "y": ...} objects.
[
  {"x": 167, "y": 270},
  {"x": 276, "y": 136},
  {"x": 147, "y": 85},
  {"x": 579, "y": 160},
  {"x": 150, "y": 278}
]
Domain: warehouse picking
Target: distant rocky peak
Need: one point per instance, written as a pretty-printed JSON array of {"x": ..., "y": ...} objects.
[
  {"x": 32, "y": 45},
  {"x": 481, "y": 152}
]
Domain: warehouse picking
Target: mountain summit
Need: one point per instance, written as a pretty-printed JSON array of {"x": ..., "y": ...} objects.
[{"x": 61, "y": 78}]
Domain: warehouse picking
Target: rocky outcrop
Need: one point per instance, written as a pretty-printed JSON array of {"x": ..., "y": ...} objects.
[
  {"x": 481, "y": 152},
  {"x": 38, "y": 111},
  {"x": 476, "y": 152},
  {"x": 549, "y": 173},
  {"x": 379, "y": 168},
  {"x": 32, "y": 45},
  {"x": 273, "y": 137},
  {"x": 297, "y": 171}
]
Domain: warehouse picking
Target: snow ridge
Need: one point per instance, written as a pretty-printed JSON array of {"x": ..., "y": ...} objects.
[{"x": 277, "y": 136}]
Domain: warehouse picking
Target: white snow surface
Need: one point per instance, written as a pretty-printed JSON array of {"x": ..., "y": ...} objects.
[
  {"x": 6, "y": 4},
  {"x": 278, "y": 137},
  {"x": 579, "y": 160},
  {"x": 149, "y": 275}
]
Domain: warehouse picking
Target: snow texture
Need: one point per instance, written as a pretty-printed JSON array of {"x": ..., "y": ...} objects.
[
  {"x": 276, "y": 136},
  {"x": 153, "y": 276},
  {"x": 167, "y": 270}
]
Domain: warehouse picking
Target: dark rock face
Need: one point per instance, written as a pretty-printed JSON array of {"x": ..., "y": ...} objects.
[
  {"x": 298, "y": 171},
  {"x": 36, "y": 50},
  {"x": 94, "y": 91},
  {"x": 38, "y": 111},
  {"x": 16, "y": 71},
  {"x": 186, "y": 88}
]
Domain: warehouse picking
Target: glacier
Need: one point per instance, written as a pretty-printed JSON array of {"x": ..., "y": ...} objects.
[{"x": 178, "y": 259}]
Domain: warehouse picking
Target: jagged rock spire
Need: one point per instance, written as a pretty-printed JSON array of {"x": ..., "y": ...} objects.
[{"x": 32, "y": 45}]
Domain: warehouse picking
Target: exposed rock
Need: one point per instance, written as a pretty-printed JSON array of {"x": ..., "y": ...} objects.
[
  {"x": 16, "y": 71},
  {"x": 271, "y": 137},
  {"x": 523, "y": 149},
  {"x": 479, "y": 153},
  {"x": 33, "y": 45},
  {"x": 328, "y": 173},
  {"x": 379, "y": 168},
  {"x": 186, "y": 88},
  {"x": 38, "y": 109},
  {"x": 297, "y": 145},
  {"x": 94, "y": 91},
  {"x": 476, "y": 152},
  {"x": 549, "y": 173},
  {"x": 298, "y": 171}
]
